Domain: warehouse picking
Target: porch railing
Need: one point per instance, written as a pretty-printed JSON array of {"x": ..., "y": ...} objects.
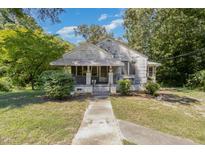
[{"x": 82, "y": 80}]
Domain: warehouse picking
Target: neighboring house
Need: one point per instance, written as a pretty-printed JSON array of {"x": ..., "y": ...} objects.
[{"x": 97, "y": 68}]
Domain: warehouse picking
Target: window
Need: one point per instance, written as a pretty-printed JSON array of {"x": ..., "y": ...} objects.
[
  {"x": 150, "y": 73},
  {"x": 132, "y": 68},
  {"x": 125, "y": 68}
]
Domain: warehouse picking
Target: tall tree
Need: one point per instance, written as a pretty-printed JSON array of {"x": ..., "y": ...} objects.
[
  {"x": 25, "y": 16},
  {"x": 138, "y": 26},
  {"x": 174, "y": 37},
  {"x": 92, "y": 33},
  {"x": 27, "y": 53}
]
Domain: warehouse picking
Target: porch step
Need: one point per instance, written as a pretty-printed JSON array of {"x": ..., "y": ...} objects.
[
  {"x": 101, "y": 90},
  {"x": 101, "y": 93}
]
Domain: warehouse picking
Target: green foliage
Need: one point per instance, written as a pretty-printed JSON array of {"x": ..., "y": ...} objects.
[
  {"x": 28, "y": 53},
  {"x": 5, "y": 84},
  {"x": 44, "y": 77},
  {"x": 137, "y": 25},
  {"x": 124, "y": 86},
  {"x": 152, "y": 88},
  {"x": 197, "y": 80},
  {"x": 59, "y": 85},
  {"x": 3, "y": 70},
  {"x": 92, "y": 33},
  {"x": 24, "y": 16},
  {"x": 166, "y": 34}
]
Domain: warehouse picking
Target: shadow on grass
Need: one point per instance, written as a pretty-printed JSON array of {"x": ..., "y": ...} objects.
[
  {"x": 20, "y": 99},
  {"x": 172, "y": 98},
  {"x": 23, "y": 98}
]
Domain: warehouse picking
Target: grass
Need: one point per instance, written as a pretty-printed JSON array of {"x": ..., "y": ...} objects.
[
  {"x": 186, "y": 92},
  {"x": 180, "y": 120},
  {"x": 26, "y": 117}
]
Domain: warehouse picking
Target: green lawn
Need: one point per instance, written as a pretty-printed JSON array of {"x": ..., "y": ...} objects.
[
  {"x": 177, "y": 119},
  {"x": 26, "y": 117},
  {"x": 186, "y": 92}
]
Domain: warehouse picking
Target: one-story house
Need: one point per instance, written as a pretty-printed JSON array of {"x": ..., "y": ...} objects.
[{"x": 97, "y": 68}]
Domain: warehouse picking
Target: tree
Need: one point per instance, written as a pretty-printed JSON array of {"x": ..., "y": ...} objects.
[
  {"x": 25, "y": 17},
  {"x": 174, "y": 37},
  {"x": 92, "y": 33},
  {"x": 27, "y": 53},
  {"x": 138, "y": 26}
]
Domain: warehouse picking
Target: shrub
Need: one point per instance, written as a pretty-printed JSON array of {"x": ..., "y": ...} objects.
[
  {"x": 5, "y": 84},
  {"x": 59, "y": 85},
  {"x": 152, "y": 87},
  {"x": 44, "y": 77},
  {"x": 124, "y": 86},
  {"x": 197, "y": 80}
]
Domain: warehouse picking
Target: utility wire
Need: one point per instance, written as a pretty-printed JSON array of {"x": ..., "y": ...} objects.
[{"x": 186, "y": 54}]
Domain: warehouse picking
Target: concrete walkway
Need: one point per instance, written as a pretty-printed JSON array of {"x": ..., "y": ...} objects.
[
  {"x": 141, "y": 135},
  {"x": 99, "y": 126}
]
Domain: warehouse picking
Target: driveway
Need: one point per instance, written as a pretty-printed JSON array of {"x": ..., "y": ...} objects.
[
  {"x": 141, "y": 135},
  {"x": 99, "y": 125}
]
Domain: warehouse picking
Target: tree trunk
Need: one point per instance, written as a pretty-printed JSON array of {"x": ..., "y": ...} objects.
[{"x": 32, "y": 84}]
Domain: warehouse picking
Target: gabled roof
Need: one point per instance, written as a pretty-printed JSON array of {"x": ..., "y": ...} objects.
[
  {"x": 88, "y": 51},
  {"x": 124, "y": 55},
  {"x": 87, "y": 54}
]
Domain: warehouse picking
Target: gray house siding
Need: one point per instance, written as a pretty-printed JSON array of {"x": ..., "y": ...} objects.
[
  {"x": 141, "y": 70},
  {"x": 137, "y": 62}
]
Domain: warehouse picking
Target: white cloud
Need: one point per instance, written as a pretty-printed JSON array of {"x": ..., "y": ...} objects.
[
  {"x": 103, "y": 17},
  {"x": 120, "y": 14},
  {"x": 67, "y": 32},
  {"x": 117, "y": 15},
  {"x": 114, "y": 24}
]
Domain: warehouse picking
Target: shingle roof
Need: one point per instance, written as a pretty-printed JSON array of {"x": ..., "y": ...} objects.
[
  {"x": 120, "y": 49},
  {"x": 88, "y": 51},
  {"x": 87, "y": 54}
]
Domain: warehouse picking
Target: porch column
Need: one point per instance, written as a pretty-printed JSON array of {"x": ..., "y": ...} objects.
[
  {"x": 88, "y": 76},
  {"x": 110, "y": 76},
  {"x": 128, "y": 68},
  {"x": 154, "y": 73}
]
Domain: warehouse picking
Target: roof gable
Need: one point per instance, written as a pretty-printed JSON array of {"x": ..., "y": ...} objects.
[
  {"x": 87, "y": 51},
  {"x": 87, "y": 55},
  {"x": 120, "y": 50}
]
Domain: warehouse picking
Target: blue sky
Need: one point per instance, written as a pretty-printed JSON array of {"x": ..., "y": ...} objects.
[{"x": 111, "y": 19}]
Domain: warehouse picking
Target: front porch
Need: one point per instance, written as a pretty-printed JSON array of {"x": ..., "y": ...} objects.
[
  {"x": 94, "y": 79},
  {"x": 99, "y": 74}
]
